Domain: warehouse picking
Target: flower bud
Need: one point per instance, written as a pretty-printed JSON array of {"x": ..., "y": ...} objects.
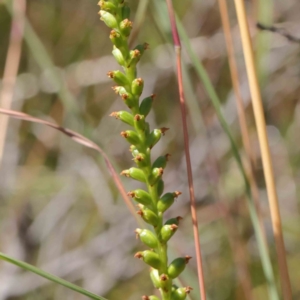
[
  {"x": 155, "y": 136},
  {"x": 148, "y": 215},
  {"x": 166, "y": 201},
  {"x": 146, "y": 105},
  {"x": 174, "y": 221},
  {"x": 118, "y": 56},
  {"x": 137, "y": 86},
  {"x": 128, "y": 98},
  {"x": 125, "y": 27},
  {"x": 167, "y": 231},
  {"x": 139, "y": 122},
  {"x": 131, "y": 136},
  {"x": 147, "y": 237},
  {"x": 108, "y": 19},
  {"x": 135, "y": 56},
  {"x": 124, "y": 116},
  {"x": 107, "y": 6},
  {"x": 116, "y": 39},
  {"x": 118, "y": 77},
  {"x": 161, "y": 161},
  {"x": 181, "y": 293},
  {"x": 155, "y": 175},
  {"x": 134, "y": 173},
  {"x": 160, "y": 187},
  {"x": 177, "y": 266},
  {"x": 154, "y": 275},
  {"x": 141, "y": 197},
  {"x": 125, "y": 12},
  {"x": 150, "y": 258},
  {"x": 141, "y": 48},
  {"x": 134, "y": 151}
]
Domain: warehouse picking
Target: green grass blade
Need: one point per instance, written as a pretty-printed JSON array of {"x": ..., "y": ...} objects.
[{"x": 49, "y": 276}]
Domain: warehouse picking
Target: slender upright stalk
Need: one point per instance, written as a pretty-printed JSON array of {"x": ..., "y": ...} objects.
[
  {"x": 265, "y": 150},
  {"x": 11, "y": 65},
  {"x": 177, "y": 46}
]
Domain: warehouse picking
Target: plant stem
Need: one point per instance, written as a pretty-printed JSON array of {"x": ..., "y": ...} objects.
[
  {"x": 265, "y": 149},
  {"x": 177, "y": 46}
]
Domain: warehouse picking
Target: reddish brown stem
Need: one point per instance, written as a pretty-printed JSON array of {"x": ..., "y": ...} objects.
[{"x": 177, "y": 46}]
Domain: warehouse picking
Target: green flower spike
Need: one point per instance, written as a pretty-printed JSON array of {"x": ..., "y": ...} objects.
[{"x": 152, "y": 202}]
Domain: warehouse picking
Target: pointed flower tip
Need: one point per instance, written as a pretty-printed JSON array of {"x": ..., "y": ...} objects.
[
  {"x": 177, "y": 193},
  {"x": 124, "y": 134},
  {"x": 125, "y": 173},
  {"x": 138, "y": 255},
  {"x": 110, "y": 74},
  {"x": 139, "y": 212},
  {"x": 188, "y": 289},
  {"x": 167, "y": 156},
  {"x": 163, "y": 130},
  {"x": 131, "y": 194},
  {"x": 187, "y": 258},
  {"x": 145, "y": 297},
  {"x": 114, "y": 114},
  {"x": 173, "y": 227}
]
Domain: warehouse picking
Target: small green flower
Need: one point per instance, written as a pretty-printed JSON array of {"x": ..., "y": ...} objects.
[
  {"x": 177, "y": 266},
  {"x": 150, "y": 258}
]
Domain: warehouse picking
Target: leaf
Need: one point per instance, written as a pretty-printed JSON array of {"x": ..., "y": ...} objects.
[{"x": 49, "y": 276}]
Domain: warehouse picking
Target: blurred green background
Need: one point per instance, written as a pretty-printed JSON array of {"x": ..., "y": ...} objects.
[{"x": 59, "y": 207}]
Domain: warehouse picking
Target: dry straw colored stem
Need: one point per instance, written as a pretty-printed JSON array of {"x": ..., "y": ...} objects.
[
  {"x": 265, "y": 150},
  {"x": 177, "y": 46},
  {"x": 11, "y": 65},
  {"x": 249, "y": 164}
]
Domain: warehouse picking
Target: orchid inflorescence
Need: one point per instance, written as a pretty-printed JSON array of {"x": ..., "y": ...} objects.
[{"x": 152, "y": 203}]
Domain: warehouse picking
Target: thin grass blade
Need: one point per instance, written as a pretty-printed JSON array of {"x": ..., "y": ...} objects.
[{"x": 49, "y": 276}]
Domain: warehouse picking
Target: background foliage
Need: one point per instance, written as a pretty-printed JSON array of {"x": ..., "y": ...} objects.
[{"x": 59, "y": 208}]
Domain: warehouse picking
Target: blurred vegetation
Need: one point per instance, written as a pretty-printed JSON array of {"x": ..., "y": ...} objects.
[{"x": 59, "y": 208}]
